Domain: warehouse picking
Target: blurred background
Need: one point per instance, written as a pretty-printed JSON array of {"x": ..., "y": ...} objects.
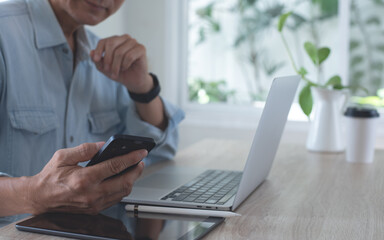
[{"x": 217, "y": 58}]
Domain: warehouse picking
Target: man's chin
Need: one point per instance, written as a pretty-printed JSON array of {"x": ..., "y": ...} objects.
[{"x": 93, "y": 21}]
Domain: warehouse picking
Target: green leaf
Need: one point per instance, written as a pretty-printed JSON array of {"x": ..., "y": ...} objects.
[
  {"x": 239, "y": 40},
  {"x": 298, "y": 21},
  {"x": 377, "y": 66},
  {"x": 312, "y": 52},
  {"x": 215, "y": 26},
  {"x": 357, "y": 76},
  {"x": 379, "y": 2},
  {"x": 356, "y": 60},
  {"x": 354, "y": 44},
  {"x": 302, "y": 72},
  {"x": 282, "y": 20},
  {"x": 306, "y": 100},
  {"x": 274, "y": 10},
  {"x": 323, "y": 54},
  {"x": 328, "y": 8},
  {"x": 339, "y": 87},
  {"x": 202, "y": 36},
  {"x": 373, "y": 20},
  {"x": 380, "y": 48},
  {"x": 251, "y": 2},
  {"x": 205, "y": 12},
  {"x": 334, "y": 81},
  {"x": 271, "y": 67}
]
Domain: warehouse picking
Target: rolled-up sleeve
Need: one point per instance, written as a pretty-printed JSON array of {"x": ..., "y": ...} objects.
[
  {"x": 166, "y": 141},
  {"x": 2, "y": 81},
  {"x": 4, "y": 175},
  {"x": 2, "y": 74}
]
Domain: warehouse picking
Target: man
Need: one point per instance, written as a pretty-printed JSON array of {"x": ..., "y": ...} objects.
[{"x": 60, "y": 86}]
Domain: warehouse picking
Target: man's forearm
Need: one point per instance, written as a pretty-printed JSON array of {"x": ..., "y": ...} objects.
[
  {"x": 13, "y": 195},
  {"x": 153, "y": 113}
]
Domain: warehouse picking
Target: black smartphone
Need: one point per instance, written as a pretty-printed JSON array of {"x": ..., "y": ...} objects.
[{"x": 118, "y": 145}]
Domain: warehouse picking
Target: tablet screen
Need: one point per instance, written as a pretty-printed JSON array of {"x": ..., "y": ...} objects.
[{"x": 116, "y": 223}]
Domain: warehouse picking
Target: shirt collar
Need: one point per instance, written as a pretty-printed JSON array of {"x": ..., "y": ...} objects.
[
  {"x": 48, "y": 32},
  {"x": 47, "y": 29}
]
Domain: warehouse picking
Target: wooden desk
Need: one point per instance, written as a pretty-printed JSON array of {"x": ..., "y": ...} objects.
[{"x": 306, "y": 196}]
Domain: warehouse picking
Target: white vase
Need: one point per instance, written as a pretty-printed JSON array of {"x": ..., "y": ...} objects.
[{"x": 325, "y": 133}]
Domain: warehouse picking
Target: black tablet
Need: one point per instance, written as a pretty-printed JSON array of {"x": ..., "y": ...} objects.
[{"x": 116, "y": 223}]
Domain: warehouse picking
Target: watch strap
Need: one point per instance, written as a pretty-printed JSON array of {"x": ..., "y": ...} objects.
[{"x": 149, "y": 96}]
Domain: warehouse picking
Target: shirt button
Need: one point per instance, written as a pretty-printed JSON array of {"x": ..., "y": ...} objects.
[
  {"x": 71, "y": 139},
  {"x": 65, "y": 50}
]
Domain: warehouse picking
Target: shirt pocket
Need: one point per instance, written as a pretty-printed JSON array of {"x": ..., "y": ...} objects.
[
  {"x": 104, "y": 121},
  {"x": 36, "y": 121}
]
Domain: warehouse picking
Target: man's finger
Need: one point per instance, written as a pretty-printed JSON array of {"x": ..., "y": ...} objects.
[
  {"x": 110, "y": 47},
  {"x": 81, "y": 153},
  {"x": 132, "y": 56},
  {"x": 116, "y": 188},
  {"x": 119, "y": 54},
  {"x": 112, "y": 190},
  {"x": 130, "y": 177},
  {"x": 122, "y": 184},
  {"x": 113, "y": 166},
  {"x": 98, "y": 52},
  {"x": 99, "y": 66}
]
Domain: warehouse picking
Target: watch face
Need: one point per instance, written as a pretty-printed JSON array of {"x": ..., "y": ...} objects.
[{"x": 149, "y": 96}]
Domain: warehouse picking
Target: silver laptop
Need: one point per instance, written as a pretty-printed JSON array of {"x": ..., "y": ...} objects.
[{"x": 219, "y": 189}]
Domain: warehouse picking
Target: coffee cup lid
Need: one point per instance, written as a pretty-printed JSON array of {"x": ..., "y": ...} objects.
[{"x": 361, "y": 112}]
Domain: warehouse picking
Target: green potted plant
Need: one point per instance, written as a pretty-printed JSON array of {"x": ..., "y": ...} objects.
[
  {"x": 317, "y": 56},
  {"x": 325, "y": 132}
]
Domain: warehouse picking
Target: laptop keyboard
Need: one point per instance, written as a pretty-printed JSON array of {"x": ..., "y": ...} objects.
[{"x": 210, "y": 187}]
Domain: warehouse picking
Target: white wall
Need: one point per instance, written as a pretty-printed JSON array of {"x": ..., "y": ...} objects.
[{"x": 145, "y": 20}]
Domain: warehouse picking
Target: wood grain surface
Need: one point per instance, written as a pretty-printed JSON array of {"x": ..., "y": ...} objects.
[{"x": 306, "y": 195}]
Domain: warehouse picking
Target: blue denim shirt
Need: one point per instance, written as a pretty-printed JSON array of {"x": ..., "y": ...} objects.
[{"x": 46, "y": 105}]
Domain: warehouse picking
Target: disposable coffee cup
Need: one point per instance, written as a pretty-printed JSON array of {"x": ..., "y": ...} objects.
[{"x": 361, "y": 134}]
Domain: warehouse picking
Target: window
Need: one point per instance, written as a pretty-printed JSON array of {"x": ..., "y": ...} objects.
[
  {"x": 366, "y": 44},
  {"x": 235, "y": 50}
]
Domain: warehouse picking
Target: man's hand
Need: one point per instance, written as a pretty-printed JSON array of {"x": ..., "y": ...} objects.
[
  {"x": 64, "y": 186},
  {"x": 123, "y": 59}
]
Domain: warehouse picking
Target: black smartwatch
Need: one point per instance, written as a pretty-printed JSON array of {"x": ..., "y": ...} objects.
[{"x": 149, "y": 96}]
